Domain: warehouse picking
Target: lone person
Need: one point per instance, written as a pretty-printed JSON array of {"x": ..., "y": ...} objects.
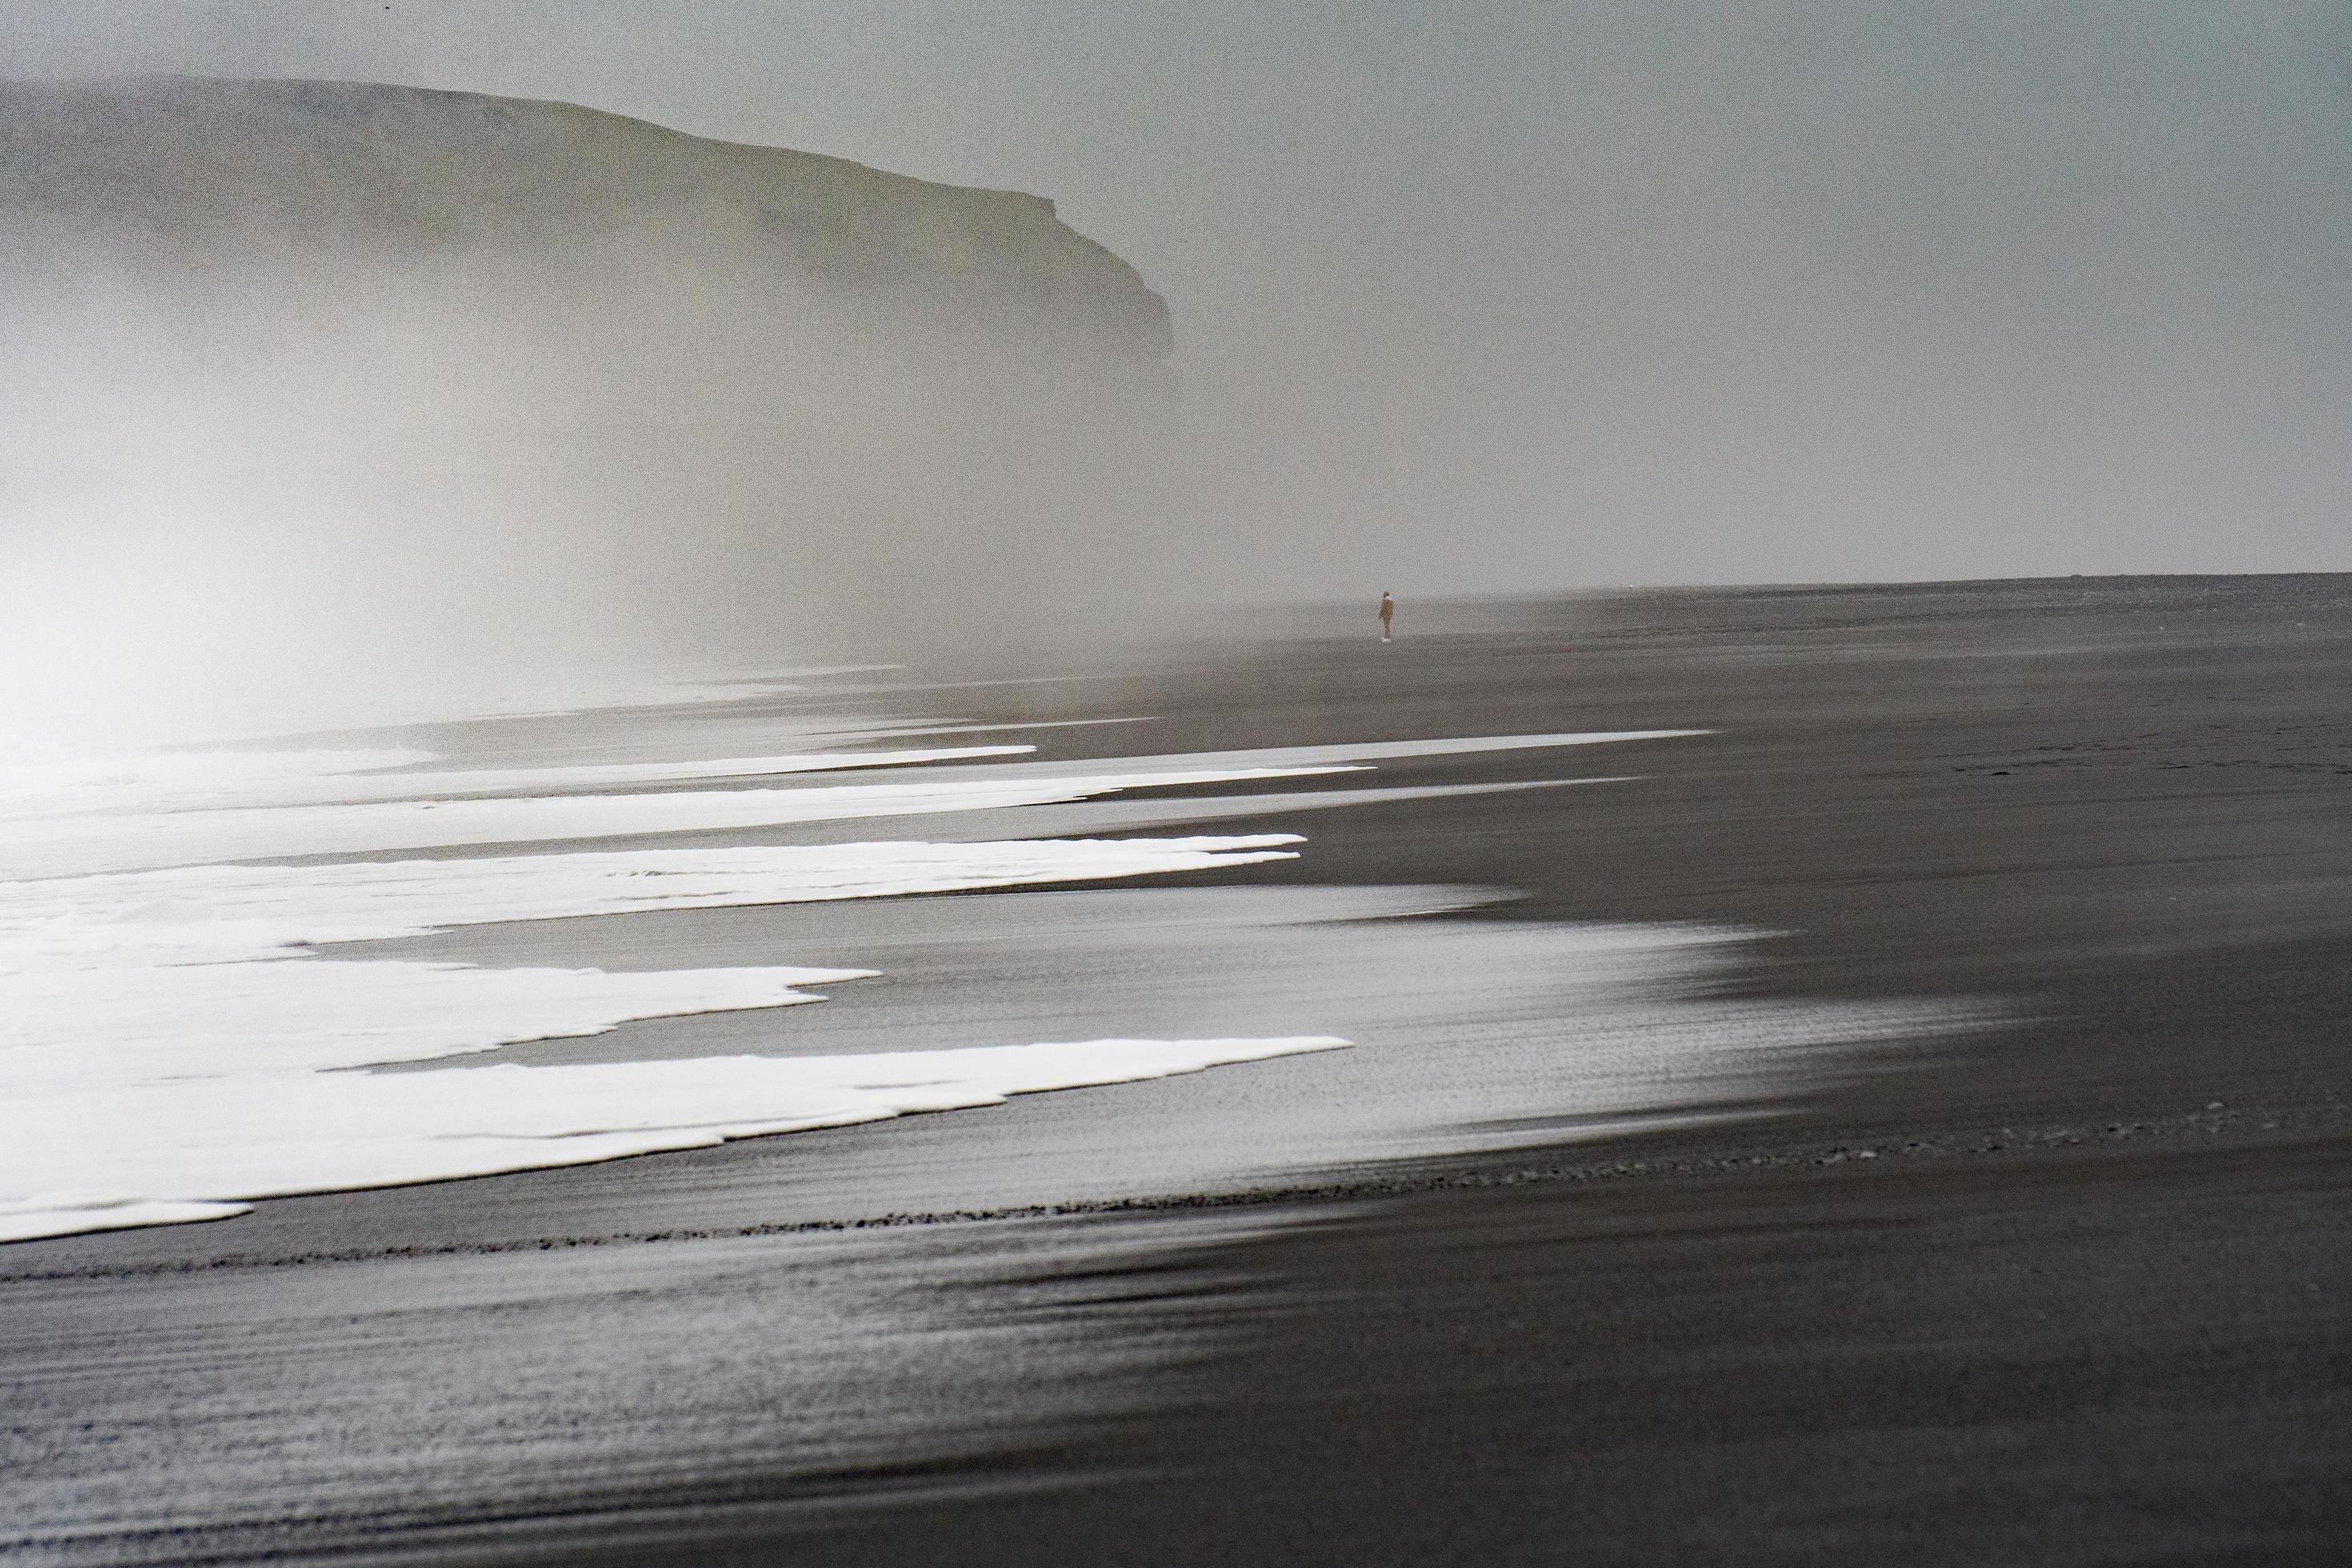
[{"x": 1388, "y": 612}]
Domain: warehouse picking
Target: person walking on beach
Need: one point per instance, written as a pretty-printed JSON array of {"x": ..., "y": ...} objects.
[{"x": 1388, "y": 610}]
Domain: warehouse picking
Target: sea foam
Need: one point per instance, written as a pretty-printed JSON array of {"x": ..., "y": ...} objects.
[
  {"x": 172, "y": 1047},
  {"x": 93, "y": 1162}
]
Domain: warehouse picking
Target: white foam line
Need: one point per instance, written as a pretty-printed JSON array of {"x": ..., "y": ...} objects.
[
  {"x": 898, "y": 732},
  {"x": 44, "y": 843},
  {"x": 216, "y": 781},
  {"x": 210, "y": 1145},
  {"x": 85, "y": 1034},
  {"x": 1127, "y": 817},
  {"x": 606, "y": 776},
  {"x": 153, "y": 781},
  {"x": 1356, "y": 752},
  {"x": 79, "y": 1213},
  {"x": 224, "y": 914},
  {"x": 57, "y": 847}
]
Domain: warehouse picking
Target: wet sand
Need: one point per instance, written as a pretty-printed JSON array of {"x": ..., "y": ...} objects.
[{"x": 2066, "y": 1287}]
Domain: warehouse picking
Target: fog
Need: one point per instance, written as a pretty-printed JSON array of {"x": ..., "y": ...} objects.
[
  {"x": 416, "y": 484},
  {"x": 1466, "y": 299},
  {"x": 271, "y": 461}
]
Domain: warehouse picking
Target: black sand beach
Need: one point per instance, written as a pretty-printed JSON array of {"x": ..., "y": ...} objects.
[{"x": 2066, "y": 1285}]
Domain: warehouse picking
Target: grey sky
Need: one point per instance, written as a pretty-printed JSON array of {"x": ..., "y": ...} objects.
[{"x": 1480, "y": 296}]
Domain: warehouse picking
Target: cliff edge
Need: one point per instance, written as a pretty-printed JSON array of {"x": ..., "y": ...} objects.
[
  {"x": 319, "y": 376},
  {"x": 173, "y": 169}
]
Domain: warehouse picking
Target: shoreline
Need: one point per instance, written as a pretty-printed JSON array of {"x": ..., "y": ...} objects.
[
  {"x": 1692, "y": 1147},
  {"x": 2130, "y": 832}
]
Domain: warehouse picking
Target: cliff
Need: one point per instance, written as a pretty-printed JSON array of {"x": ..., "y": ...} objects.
[
  {"x": 336, "y": 369},
  {"x": 180, "y": 170}
]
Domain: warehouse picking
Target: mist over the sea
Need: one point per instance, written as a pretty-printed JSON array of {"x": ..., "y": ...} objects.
[
  {"x": 1518, "y": 297},
  {"x": 329, "y": 391}
]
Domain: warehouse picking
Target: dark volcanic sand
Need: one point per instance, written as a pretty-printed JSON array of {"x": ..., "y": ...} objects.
[{"x": 2072, "y": 1289}]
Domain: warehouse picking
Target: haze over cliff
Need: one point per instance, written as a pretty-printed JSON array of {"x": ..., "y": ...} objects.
[{"x": 369, "y": 383}]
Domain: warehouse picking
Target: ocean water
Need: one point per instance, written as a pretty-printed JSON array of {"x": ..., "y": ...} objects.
[{"x": 174, "y": 1045}]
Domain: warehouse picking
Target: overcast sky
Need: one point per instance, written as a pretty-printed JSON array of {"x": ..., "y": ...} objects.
[{"x": 1474, "y": 296}]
